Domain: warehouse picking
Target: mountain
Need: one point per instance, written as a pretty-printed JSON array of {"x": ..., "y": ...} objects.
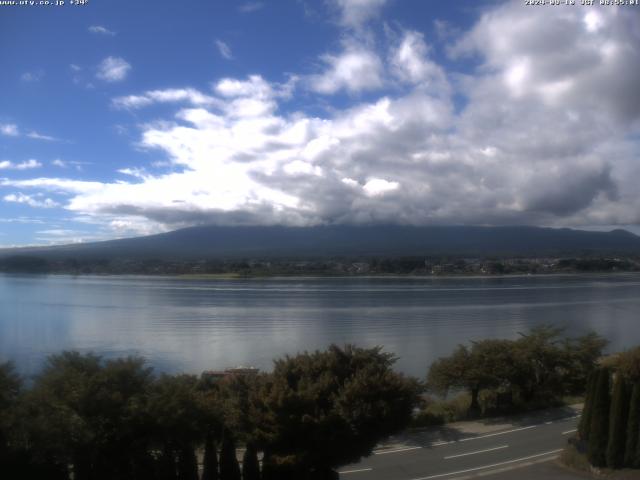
[{"x": 349, "y": 241}]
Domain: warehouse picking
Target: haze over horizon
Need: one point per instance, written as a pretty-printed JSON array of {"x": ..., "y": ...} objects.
[{"x": 121, "y": 119}]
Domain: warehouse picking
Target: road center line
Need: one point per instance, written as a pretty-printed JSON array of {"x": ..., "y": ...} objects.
[
  {"x": 476, "y": 452},
  {"x": 466, "y": 439},
  {"x": 497, "y": 433},
  {"x": 397, "y": 450},
  {"x": 484, "y": 467},
  {"x": 570, "y": 431},
  {"x": 356, "y": 471}
]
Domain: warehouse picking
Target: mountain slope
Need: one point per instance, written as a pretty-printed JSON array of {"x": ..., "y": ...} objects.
[{"x": 227, "y": 242}]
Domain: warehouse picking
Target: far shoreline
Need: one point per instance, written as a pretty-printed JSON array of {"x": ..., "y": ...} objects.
[{"x": 391, "y": 276}]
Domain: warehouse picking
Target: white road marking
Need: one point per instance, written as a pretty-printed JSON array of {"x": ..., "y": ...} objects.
[
  {"x": 443, "y": 442},
  {"x": 570, "y": 431},
  {"x": 548, "y": 423},
  {"x": 356, "y": 471},
  {"x": 484, "y": 467},
  {"x": 476, "y": 452},
  {"x": 466, "y": 439},
  {"x": 384, "y": 452},
  {"x": 497, "y": 433}
]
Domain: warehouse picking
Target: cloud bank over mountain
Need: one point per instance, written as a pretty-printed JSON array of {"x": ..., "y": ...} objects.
[{"x": 534, "y": 118}]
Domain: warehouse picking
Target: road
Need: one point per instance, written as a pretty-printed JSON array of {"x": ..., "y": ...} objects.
[{"x": 467, "y": 456}]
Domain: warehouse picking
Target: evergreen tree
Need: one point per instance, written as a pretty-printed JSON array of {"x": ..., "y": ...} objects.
[
  {"x": 250, "y": 465},
  {"x": 633, "y": 428},
  {"x": 617, "y": 423},
  {"x": 268, "y": 470},
  {"x": 585, "y": 419},
  {"x": 210, "y": 467},
  {"x": 167, "y": 465},
  {"x": 187, "y": 464},
  {"x": 597, "y": 448},
  {"x": 229, "y": 467}
]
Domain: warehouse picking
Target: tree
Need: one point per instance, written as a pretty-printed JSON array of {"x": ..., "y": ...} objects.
[
  {"x": 181, "y": 419},
  {"x": 210, "y": 461},
  {"x": 598, "y": 433},
  {"x": 86, "y": 412},
  {"x": 345, "y": 399},
  {"x": 582, "y": 355},
  {"x": 633, "y": 428},
  {"x": 617, "y": 423},
  {"x": 542, "y": 362},
  {"x": 587, "y": 411},
  {"x": 229, "y": 468},
  {"x": 250, "y": 465},
  {"x": 187, "y": 464},
  {"x": 10, "y": 385},
  {"x": 628, "y": 363},
  {"x": 488, "y": 364}
]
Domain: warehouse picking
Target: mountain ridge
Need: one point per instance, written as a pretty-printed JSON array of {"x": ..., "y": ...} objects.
[{"x": 352, "y": 241}]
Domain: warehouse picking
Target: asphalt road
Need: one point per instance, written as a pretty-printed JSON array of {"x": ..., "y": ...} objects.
[{"x": 466, "y": 457}]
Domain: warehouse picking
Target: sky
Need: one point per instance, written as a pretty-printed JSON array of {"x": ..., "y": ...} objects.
[{"x": 122, "y": 118}]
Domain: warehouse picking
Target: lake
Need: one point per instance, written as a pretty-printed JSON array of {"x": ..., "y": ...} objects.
[{"x": 183, "y": 325}]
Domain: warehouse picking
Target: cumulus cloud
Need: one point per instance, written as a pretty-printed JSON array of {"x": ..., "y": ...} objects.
[
  {"x": 9, "y": 129},
  {"x": 250, "y": 7},
  {"x": 527, "y": 135},
  {"x": 30, "y": 200},
  {"x": 39, "y": 136},
  {"x": 355, "y": 13},
  {"x": 58, "y": 162},
  {"x": 113, "y": 69},
  {"x": 31, "y": 76},
  {"x": 172, "y": 95},
  {"x": 410, "y": 63},
  {"x": 100, "y": 30},
  {"x": 224, "y": 49},
  {"x": 355, "y": 69},
  {"x": 26, "y": 165}
]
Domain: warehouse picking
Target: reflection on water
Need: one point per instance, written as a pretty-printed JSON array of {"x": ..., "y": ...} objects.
[{"x": 193, "y": 325}]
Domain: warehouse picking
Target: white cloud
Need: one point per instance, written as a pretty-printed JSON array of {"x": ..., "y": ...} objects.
[
  {"x": 26, "y": 165},
  {"x": 250, "y": 7},
  {"x": 355, "y": 69},
  {"x": 100, "y": 30},
  {"x": 68, "y": 164},
  {"x": 527, "y": 136},
  {"x": 135, "y": 172},
  {"x": 9, "y": 129},
  {"x": 410, "y": 63},
  {"x": 113, "y": 69},
  {"x": 38, "y": 136},
  {"x": 355, "y": 13},
  {"x": 379, "y": 186},
  {"x": 30, "y": 200},
  {"x": 224, "y": 49},
  {"x": 189, "y": 95},
  {"x": 32, "y": 76},
  {"x": 58, "y": 185}
]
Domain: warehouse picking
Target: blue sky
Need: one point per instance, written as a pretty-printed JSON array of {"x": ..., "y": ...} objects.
[{"x": 127, "y": 118}]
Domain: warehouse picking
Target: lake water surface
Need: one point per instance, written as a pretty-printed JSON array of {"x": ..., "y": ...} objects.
[{"x": 193, "y": 325}]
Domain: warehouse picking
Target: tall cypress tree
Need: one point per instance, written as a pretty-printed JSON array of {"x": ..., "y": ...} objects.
[
  {"x": 250, "y": 465},
  {"x": 167, "y": 465},
  {"x": 617, "y": 423},
  {"x": 210, "y": 467},
  {"x": 268, "y": 470},
  {"x": 597, "y": 447},
  {"x": 187, "y": 464},
  {"x": 587, "y": 410},
  {"x": 633, "y": 428},
  {"x": 229, "y": 467}
]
